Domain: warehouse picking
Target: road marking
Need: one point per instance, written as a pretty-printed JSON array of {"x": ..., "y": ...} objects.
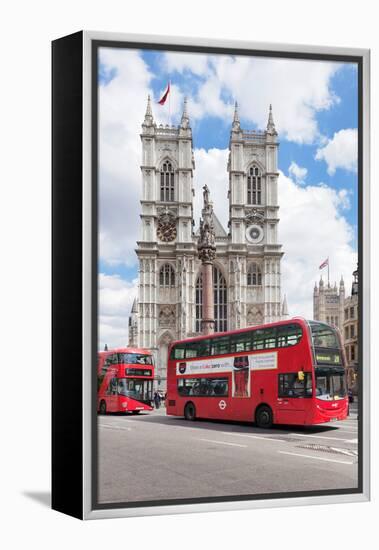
[
  {"x": 222, "y": 442},
  {"x": 122, "y": 421},
  {"x": 268, "y": 438},
  {"x": 317, "y": 458},
  {"x": 325, "y": 437},
  {"x": 352, "y": 441},
  {"x": 114, "y": 427},
  {"x": 347, "y": 424}
]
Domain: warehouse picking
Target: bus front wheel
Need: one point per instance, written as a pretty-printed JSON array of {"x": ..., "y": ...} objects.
[
  {"x": 263, "y": 417},
  {"x": 190, "y": 411},
  {"x": 103, "y": 407}
]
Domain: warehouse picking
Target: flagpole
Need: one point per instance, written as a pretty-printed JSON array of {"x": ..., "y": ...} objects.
[
  {"x": 328, "y": 273},
  {"x": 169, "y": 104}
]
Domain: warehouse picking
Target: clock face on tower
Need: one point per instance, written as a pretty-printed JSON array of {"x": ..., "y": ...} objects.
[
  {"x": 254, "y": 234},
  {"x": 166, "y": 231}
]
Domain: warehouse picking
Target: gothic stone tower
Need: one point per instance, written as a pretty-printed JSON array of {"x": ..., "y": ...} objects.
[
  {"x": 246, "y": 267},
  {"x": 328, "y": 303},
  {"x": 254, "y": 252},
  {"x": 166, "y": 250}
]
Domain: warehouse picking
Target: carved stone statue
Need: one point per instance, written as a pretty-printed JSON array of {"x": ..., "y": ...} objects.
[{"x": 206, "y": 195}]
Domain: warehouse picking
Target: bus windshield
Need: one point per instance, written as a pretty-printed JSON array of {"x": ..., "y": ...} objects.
[
  {"x": 138, "y": 389},
  {"x": 330, "y": 384},
  {"x": 136, "y": 358},
  {"x": 324, "y": 336}
]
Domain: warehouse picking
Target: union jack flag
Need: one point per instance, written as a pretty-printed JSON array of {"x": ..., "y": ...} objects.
[
  {"x": 324, "y": 263},
  {"x": 162, "y": 100}
]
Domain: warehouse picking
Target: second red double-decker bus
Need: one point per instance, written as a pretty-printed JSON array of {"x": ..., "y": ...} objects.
[
  {"x": 289, "y": 372},
  {"x": 125, "y": 380}
]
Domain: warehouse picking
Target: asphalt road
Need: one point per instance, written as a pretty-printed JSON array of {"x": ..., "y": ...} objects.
[{"x": 153, "y": 457}]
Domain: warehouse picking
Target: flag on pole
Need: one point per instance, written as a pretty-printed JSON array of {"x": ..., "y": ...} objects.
[
  {"x": 324, "y": 263},
  {"x": 162, "y": 100}
]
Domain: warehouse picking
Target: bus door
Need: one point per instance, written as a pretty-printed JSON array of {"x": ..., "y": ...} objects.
[
  {"x": 293, "y": 390},
  {"x": 112, "y": 396},
  {"x": 220, "y": 403}
]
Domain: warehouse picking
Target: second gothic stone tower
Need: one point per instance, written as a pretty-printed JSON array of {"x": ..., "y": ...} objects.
[
  {"x": 246, "y": 269},
  {"x": 253, "y": 207}
]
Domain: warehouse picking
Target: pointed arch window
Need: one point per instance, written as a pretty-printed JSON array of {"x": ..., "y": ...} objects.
[
  {"x": 254, "y": 186},
  {"x": 167, "y": 276},
  {"x": 167, "y": 182},
  {"x": 220, "y": 296},
  {"x": 254, "y": 275}
]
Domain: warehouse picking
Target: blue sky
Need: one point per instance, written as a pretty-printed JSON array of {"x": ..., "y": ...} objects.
[{"x": 315, "y": 110}]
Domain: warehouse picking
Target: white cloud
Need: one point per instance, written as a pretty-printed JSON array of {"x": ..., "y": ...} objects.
[
  {"x": 297, "y": 89},
  {"x": 311, "y": 228},
  {"x": 211, "y": 170},
  {"x": 341, "y": 151},
  {"x": 177, "y": 61},
  {"x": 115, "y": 302},
  {"x": 298, "y": 172},
  {"x": 122, "y": 105}
]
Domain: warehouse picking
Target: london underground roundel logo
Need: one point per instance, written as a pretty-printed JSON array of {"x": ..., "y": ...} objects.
[{"x": 222, "y": 404}]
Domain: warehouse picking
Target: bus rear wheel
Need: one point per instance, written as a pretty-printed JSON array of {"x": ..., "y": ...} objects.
[
  {"x": 263, "y": 417},
  {"x": 190, "y": 411},
  {"x": 103, "y": 407}
]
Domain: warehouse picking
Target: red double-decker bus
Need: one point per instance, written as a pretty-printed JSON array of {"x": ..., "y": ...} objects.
[
  {"x": 125, "y": 380},
  {"x": 289, "y": 372}
]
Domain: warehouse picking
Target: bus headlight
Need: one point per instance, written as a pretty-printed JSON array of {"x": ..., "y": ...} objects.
[{"x": 125, "y": 405}]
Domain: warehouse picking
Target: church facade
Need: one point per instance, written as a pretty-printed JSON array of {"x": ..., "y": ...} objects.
[{"x": 246, "y": 270}]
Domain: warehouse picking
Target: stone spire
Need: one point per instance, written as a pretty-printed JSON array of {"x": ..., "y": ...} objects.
[
  {"x": 149, "y": 120},
  {"x": 270, "y": 123},
  {"x": 355, "y": 287},
  {"x": 184, "y": 123},
  {"x": 134, "y": 306},
  {"x": 236, "y": 126}
]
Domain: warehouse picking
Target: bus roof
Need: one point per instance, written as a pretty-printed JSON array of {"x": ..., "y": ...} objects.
[
  {"x": 300, "y": 320},
  {"x": 125, "y": 350}
]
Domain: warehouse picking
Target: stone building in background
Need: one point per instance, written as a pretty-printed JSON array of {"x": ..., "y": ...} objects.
[{"x": 350, "y": 333}]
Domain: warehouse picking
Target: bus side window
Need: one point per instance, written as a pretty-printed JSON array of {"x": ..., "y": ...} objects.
[
  {"x": 178, "y": 352},
  {"x": 240, "y": 342},
  {"x": 258, "y": 339},
  {"x": 270, "y": 338},
  {"x": 192, "y": 350},
  {"x": 289, "y": 385},
  {"x": 220, "y": 346},
  {"x": 289, "y": 335}
]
